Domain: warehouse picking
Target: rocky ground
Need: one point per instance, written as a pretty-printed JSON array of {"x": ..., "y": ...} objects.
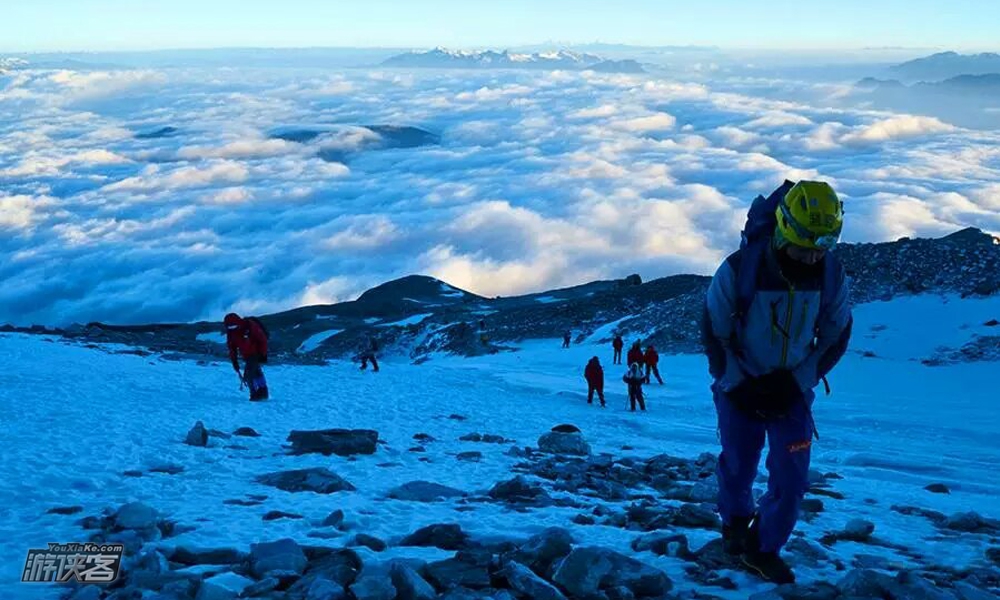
[{"x": 666, "y": 500}]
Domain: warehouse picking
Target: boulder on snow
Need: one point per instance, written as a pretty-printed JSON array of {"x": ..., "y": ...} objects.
[
  {"x": 971, "y": 522},
  {"x": 197, "y": 436},
  {"x": 447, "y": 536},
  {"x": 136, "y": 515},
  {"x": 409, "y": 584},
  {"x": 424, "y": 491},
  {"x": 663, "y": 544},
  {"x": 938, "y": 488},
  {"x": 246, "y": 432},
  {"x": 369, "y": 541},
  {"x": 471, "y": 456},
  {"x": 587, "y": 571},
  {"x": 857, "y": 530},
  {"x": 526, "y": 583},
  {"x": 543, "y": 549},
  {"x": 468, "y": 569},
  {"x": 281, "y": 555},
  {"x": 190, "y": 556},
  {"x": 566, "y": 428},
  {"x": 374, "y": 583},
  {"x": 334, "y": 519},
  {"x": 317, "y": 479},
  {"x": 342, "y": 442},
  {"x": 519, "y": 490},
  {"x": 225, "y": 586},
  {"x": 864, "y": 583},
  {"x": 569, "y": 444}
]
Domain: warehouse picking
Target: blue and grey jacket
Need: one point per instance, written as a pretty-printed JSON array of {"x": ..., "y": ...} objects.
[{"x": 782, "y": 327}]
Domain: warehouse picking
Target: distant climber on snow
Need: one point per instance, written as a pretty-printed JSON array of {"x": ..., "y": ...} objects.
[
  {"x": 652, "y": 360},
  {"x": 248, "y": 337},
  {"x": 617, "y": 345},
  {"x": 634, "y": 378},
  {"x": 777, "y": 320},
  {"x": 594, "y": 374},
  {"x": 368, "y": 355},
  {"x": 566, "y": 339},
  {"x": 635, "y": 354}
]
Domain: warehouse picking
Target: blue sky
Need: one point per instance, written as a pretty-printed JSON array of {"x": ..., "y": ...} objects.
[{"x": 68, "y": 25}]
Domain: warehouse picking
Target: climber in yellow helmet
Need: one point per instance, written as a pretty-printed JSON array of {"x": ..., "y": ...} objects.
[{"x": 777, "y": 320}]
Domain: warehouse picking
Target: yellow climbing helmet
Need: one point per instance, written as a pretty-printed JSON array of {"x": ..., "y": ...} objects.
[{"x": 810, "y": 216}]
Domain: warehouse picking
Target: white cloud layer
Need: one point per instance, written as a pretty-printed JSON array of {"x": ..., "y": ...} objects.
[{"x": 164, "y": 195}]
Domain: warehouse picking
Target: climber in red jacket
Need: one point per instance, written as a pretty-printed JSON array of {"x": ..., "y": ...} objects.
[
  {"x": 652, "y": 359},
  {"x": 594, "y": 373},
  {"x": 247, "y": 337}
]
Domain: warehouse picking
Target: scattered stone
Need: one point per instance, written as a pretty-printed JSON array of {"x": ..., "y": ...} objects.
[
  {"x": 281, "y": 555},
  {"x": 696, "y": 516},
  {"x": 485, "y": 438},
  {"x": 132, "y": 473},
  {"x": 409, "y": 584},
  {"x": 321, "y": 588},
  {"x": 938, "y": 488},
  {"x": 586, "y": 571},
  {"x": 368, "y": 541},
  {"x": 473, "y": 456},
  {"x": 418, "y": 449},
  {"x": 340, "y": 566},
  {"x": 226, "y": 586},
  {"x": 991, "y": 323},
  {"x": 993, "y": 555},
  {"x": 219, "y": 434},
  {"x": 663, "y": 544},
  {"x": 64, "y": 510},
  {"x": 857, "y": 530},
  {"x": 424, "y": 491},
  {"x": 526, "y": 583},
  {"x": 971, "y": 522},
  {"x": 317, "y": 479},
  {"x": 584, "y": 520},
  {"x": 274, "y": 515},
  {"x": 564, "y": 443},
  {"x": 136, "y": 515},
  {"x": 447, "y": 536},
  {"x": 246, "y": 432},
  {"x": 519, "y": 490},
  {"x": 812, "y": 505},
  {"x": 374, "y": 583},
  {"x": 469, "y": 569},
  {"x": 342, "y": 442},
  {"x": 865, "y": 583},
  {"x": 566, "y": 429},
  {"x": 806, "y": 552},
  {"x": 966, "y": 591},
  {"x": 701, "y": 492},
  {"x": 542, "y": 550},
  {"x": 240, "y": 502},
  {"x": 206, "y": 556},
  {"x": 935, "y": 517},
  {"x": 168, "y": 468},
  {"x": 424, "y": 438},
  {"x": 871, "y": 561},
  {"x": 828, "y": 493},
  {"x": 457, "y": 418},
  {"x": 334, "y": 519},
  {"x": 911, "y": 586},
  {"x": 197, "y": 436}
]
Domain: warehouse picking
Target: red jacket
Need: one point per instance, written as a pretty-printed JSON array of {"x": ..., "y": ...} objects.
[
  {"x": 652, "y": 358},
  {"x": 247, "y": 339},
  {"x": 618, "y": 344},
  {"x": 594, "y": 374},
  {"x": 635, "y": 356}
]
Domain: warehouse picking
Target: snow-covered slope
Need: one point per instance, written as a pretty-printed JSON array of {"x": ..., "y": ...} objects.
[
  {"x": 442, "y": 58},
  {"x": 77, "y": 418}
]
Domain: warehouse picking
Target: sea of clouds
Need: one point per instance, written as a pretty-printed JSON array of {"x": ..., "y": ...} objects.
[{"x": 540, "y": 180}]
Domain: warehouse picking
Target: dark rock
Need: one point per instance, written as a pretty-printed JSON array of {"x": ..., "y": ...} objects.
[
  {"x": 871, "y": 561},
  {"x": 828, "y": 493},
  {"x": 418, "y": 449},
  {"x": 712, "y": 556},
  {"x": 698, "y": 516},
  {"x": 566, "y": 429},
  {"x": 971, "y": 522},
  {"x": 334, "y": 519},
  {"x": 64, "y": 510},
  {"x": 169, "y": 469},
  {"x": 993, "y": 555},
  {"x": 518, "y": 490},
  {"x": 324, "y": 589},
  {"x": 374, "y": 583},
  {"x": 663, "y": 544},
  {"x": 424, "y": 438},
  {"x": 991, "y": 323},
  {"x": 469, "y": 569},
  {"x": 340, "y": 566},
  {"x": 857, "y": 530},
  {"x": 342, "y": 442},
  {"x": 967, "y": 591},
  {"x": 132, "y": 473},
  {"x": 911, "y": 586},
  {"x": 569, "y": 444},
  {"x": 806, "y": 553},
  {"x": 471, "y": 437},
  {"x": 136, "y": 515},
  {"x": 219, "y": 434},
  {"x": 473, "y": 456},
  {"x": 225, "y": 586},
  {"x": 865, "y": 584},
  {"x": 424, "y": 491},
  {"x": 812, "y": 505},
  {"x": 938, "y": 488},
  {"x": 318, "y": 479},
  {"x": 409, "y": 584},
  {"x": 584, "y": 520},
  {"x": 447, "y": 536},
  {"x": 246, "y": 432},
  {"x": 542, "y": 550},
  {"x": 197, "y": 436},
  {"x": 368, "y": 541},
  {"x": 241, "y": 502},
  {"x": 457, "y": 418},
  {"x": 281, "y": 555},
  {"x": 526, "y": 583},
  {"x": 274, "y": 515},
  {"x": 586, "y": 571},
  {"x": 935, "y": 517},
  {"x": 207, "y": 556}
]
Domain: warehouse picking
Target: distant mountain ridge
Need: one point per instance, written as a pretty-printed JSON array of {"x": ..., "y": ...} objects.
[
  {"x": 946, "y": 65},
  {"x": 442, "y": 58},
  {"x": 419, "y": 316}
]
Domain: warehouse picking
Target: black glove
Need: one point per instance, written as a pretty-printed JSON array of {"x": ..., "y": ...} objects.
[{"x": 769, "y": 396}]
